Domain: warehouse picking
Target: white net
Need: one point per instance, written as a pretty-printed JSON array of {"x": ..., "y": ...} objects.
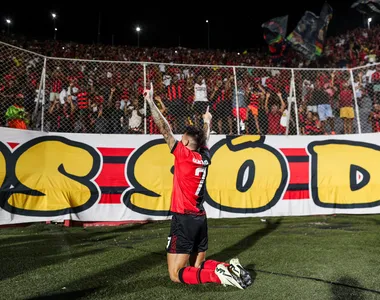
[
  {"x": 94, "y": 97},
  {"x": 326, "y": 102},
  {"x": 367, "y": 92},
  {"x": 20, "y": 84},
  {"x": 184, "y": 92},
  {"x": 263, "y": 100},
  {"x": 86, "y": 96}
]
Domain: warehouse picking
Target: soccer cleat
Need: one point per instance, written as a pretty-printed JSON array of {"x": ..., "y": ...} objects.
[
  {"x": 238, "y": 269},
  {"x": 228, "y": 278}
]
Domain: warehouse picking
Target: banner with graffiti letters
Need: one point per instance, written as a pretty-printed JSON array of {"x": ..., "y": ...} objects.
[{"x": 89, "y": 177}]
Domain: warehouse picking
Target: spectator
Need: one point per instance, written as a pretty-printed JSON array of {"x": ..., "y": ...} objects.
[
  {"x": 176, "y": 104},
  {"x": 239, "y": 105},
  {"x": 347, "y": 107},
  {"x": 135, "y": 115},
  {"x": 200, "y": 98},
  {"x": 312, "y": 125},
  {"x": 274, "y": 116},
  {"x": 322, "y": 99},
  {"x": 221, "y": 103},
  {"x": 374, "y": 118},
  {"x": 256, "y": 96}
]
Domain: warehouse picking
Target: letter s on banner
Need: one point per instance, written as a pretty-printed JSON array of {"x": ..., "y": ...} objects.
[
  {"x": 148, "y": 170},
  {"x": 4, "y": 158},
  {"x": 245, "y": 176},
  {"x": 52, "y": 176},
  {"x": 345, "y": 174}
]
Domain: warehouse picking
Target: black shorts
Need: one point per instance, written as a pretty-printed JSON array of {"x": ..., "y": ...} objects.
[
  {"x": 188, "y": 234},
  {"x": 223, "y": 110},
  {"x": 200, "y": 107}
]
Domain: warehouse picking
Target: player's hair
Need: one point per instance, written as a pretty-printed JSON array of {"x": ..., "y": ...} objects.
[{"x": 197, "y": 134}]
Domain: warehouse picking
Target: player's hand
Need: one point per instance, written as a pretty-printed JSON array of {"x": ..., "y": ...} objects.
[
  {"x": 148, "y": 94},
  {"x": 207, "y": 116}
]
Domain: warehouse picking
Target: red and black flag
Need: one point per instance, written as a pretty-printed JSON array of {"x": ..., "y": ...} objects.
[{"x": 274, "y": 34}]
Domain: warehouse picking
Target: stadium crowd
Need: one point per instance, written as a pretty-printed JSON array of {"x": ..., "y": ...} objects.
[{"x": 105, "y": 97}]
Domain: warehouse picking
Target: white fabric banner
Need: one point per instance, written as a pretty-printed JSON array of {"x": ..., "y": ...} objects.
[{"x": 91, "y": 177}]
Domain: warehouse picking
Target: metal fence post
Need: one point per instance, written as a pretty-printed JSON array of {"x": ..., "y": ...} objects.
[
  {"x": 290, "y": 101},
  {"x": 293, "y": 84},
  {"x": 144, "y": 68},
  {"x": 35, "y": 113},
  {"x": 43, "y": 95},
  {"x": 237, "y": 103},
  {"x": 356, "y": 102}
]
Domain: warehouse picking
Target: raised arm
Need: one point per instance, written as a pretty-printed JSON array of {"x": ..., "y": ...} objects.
[
  {"x": 206, "y": 125},
  {"x": 159, "y": 119}
]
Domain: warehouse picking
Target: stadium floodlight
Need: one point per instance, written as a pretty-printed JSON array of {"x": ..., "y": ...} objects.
[
  {"x": 54, "y": 16},
  {"x": 138, "y": 29},
  {"x": 369, "y": 23},
  {"x": 208, "y": 34},
  {"x": 8, "y": 21}
]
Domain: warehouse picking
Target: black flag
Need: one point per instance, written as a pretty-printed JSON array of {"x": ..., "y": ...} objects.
[
  {"x": 275, "y": 30},
  {"x": 324, "y": 21},
  {"x": 367, "y": 6},
  {"x": 304, "y": 36}
]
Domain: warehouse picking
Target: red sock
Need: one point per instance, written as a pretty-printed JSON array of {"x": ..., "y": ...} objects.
[
  {"x": 191, "y": 275},
  {"x": 211, "y": 264}
]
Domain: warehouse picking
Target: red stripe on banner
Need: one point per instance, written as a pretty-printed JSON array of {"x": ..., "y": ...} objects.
[
  {"x": 299, "y": 172},
  {"x": 110, "y": 199},
  {"x": 13, "y": 145},
  {"x": 294, "y": 152},
  {"x": 115, "y": 151},
  {"x": 112, "y": 175},
  {"x": 297, "y": 195}
]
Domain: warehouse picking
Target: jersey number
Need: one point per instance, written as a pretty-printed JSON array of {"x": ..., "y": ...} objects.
[{"x": 201, "y": 182}]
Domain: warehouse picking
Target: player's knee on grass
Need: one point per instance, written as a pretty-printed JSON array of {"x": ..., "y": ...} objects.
[{"x": 173, "y": 273}]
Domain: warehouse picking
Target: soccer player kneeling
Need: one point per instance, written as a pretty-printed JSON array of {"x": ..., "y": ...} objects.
[{"x": 188, "y": 238}]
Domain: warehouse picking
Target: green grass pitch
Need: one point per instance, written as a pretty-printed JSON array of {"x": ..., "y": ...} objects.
[{"x": 290, "y": 258}]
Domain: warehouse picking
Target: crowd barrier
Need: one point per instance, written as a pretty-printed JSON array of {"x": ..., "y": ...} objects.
[
  {"x": 86, "y": 96},
  {"x": 95, "y": 177}
]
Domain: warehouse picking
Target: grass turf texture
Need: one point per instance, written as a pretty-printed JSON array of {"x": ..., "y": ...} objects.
[{"x": 290, "y": 258}]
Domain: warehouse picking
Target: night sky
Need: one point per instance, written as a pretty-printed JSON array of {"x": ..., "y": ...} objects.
[{"x": 234, "y": 26}]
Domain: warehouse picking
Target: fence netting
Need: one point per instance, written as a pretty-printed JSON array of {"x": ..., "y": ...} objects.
[
  {"x": 20, "y": 94},
  {"x": 183, "y": 94},
  {"x": 94, "y": 97},
  {"x": 367, "y": 91},
  {"x": 263, "y": 101},
  {"x": 84, "y": 96},
  {"x": 325, "y": 102}
]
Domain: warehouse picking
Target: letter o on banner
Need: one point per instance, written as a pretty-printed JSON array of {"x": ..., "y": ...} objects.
[
  {"x": 149, "y": 172},
  {"x": 245, "y": 176}
]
